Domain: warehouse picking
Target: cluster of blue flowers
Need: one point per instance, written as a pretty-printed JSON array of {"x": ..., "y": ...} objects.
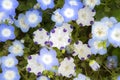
[{"x": 104, "y": 33}]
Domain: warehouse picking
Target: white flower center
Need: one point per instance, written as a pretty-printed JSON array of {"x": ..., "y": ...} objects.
[
  {"x": 73, "y": 3},
  {"x": 97, "y": 45},
  {"x": 69, "y": 12},
  {"x": 32, "y": 18},
  {"x": 116, "y": 35},
  {"x": 9, "y": 75},
  {"x": 22, "y": 23},
  {"x": 17, "y": 49},
  {"x": 9, "y": 62},
  {"x": 100, "y": 31},
  {"x": 7, "y": 4},
  {"x": 47, "y": 59},
  {"x": 46, "y": 2},
  {"x": 109, "y": 24},
  {"x": 58, "y": 17},
  {"x": 6, "y": 32}
]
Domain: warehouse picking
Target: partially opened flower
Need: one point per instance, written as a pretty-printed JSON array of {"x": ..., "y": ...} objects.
[
  {"x": 94, "y": 65},
  {"x": 44, "y": 4},
  {"x": 47, "y": 58},
  {"x": 112, "y": 62},
  {"x": 6, "y": 32},
  {"x": 67, "y": 67},
  {"x": 10, "y": 74},
  {"x": 33, "y": 18},
  {"x": 17, "y": 48},
  {"x": 9, "y": 61},
  {"x": 33, "y": 66},
  {"x": 20, "y": 23}
]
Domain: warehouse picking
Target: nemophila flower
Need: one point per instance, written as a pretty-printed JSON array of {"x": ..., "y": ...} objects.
[
  {"x": 118, "y": 78},
  {"x": 41, "y": 37},
  {"x": 56, "y": 36},
  {"x": 47, "y": 58},
  {"x": 57, "y": 18},
  {"x": 33, "y": 18},
  {"x": 114, "y": 35},
  {"x": 20, "y": 23},
  {"x": 44, "y": 4},
  {"x": 67, "y": 67},
  {"x": 6, "y": 32},
  {"x": 33, "y": 66},
  {"x": 99, "y": 31},
  {"x": 91, "y": 3},
  {"x": 98, "y": 46},
  {"x": 94, "y": 65},
  {"x": 3, "y": 16},
  {"x": 69, "y": 13},
  {"x": 10, "y": 74},
  {"x": 81, "y": 77},
  {"x": 17, "y": 48},
  {"x": 43, "y": 78},
  {"x": 9, "y": 61},
  {"x": 85, "y": 19},
  {"x": 112, "y": 62},
  {"x": 109, "y": 21},
  {"x": 74, "y": 3},
  {"x": 82, "y": 50},
  {"x": 9, "y": 6}
]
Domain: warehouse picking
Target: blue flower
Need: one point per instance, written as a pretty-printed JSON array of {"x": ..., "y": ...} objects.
[
  {"x": 3, "y": 16},
  {"x": 98, "y": 47},
  {"x": 9, "y": 61},
  {"x": 47, "y": 58},
  {"x": 9, "y": 6},
  {"x": 17, "y": 48},
  {"x": 57, "y": 18},
  {"x": 69, "y": 13},
  {"x": 43, "y": 78},
  {"x": 91, "y": 3},
  {"x": 20, "y": 23},
  {"x": 74, "y": 3},
  {"x": 114, "y": 35},
  {"x": 109, "y": 21},
  {"x": 6, "y": 32},
  {"x": 33, "y": 18},
  {"x": 44, "y": 4},
  {"x": 10, "y": 74},
  {"x": 118, "y": 78},
  {"x": 112, "y": 62}
]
